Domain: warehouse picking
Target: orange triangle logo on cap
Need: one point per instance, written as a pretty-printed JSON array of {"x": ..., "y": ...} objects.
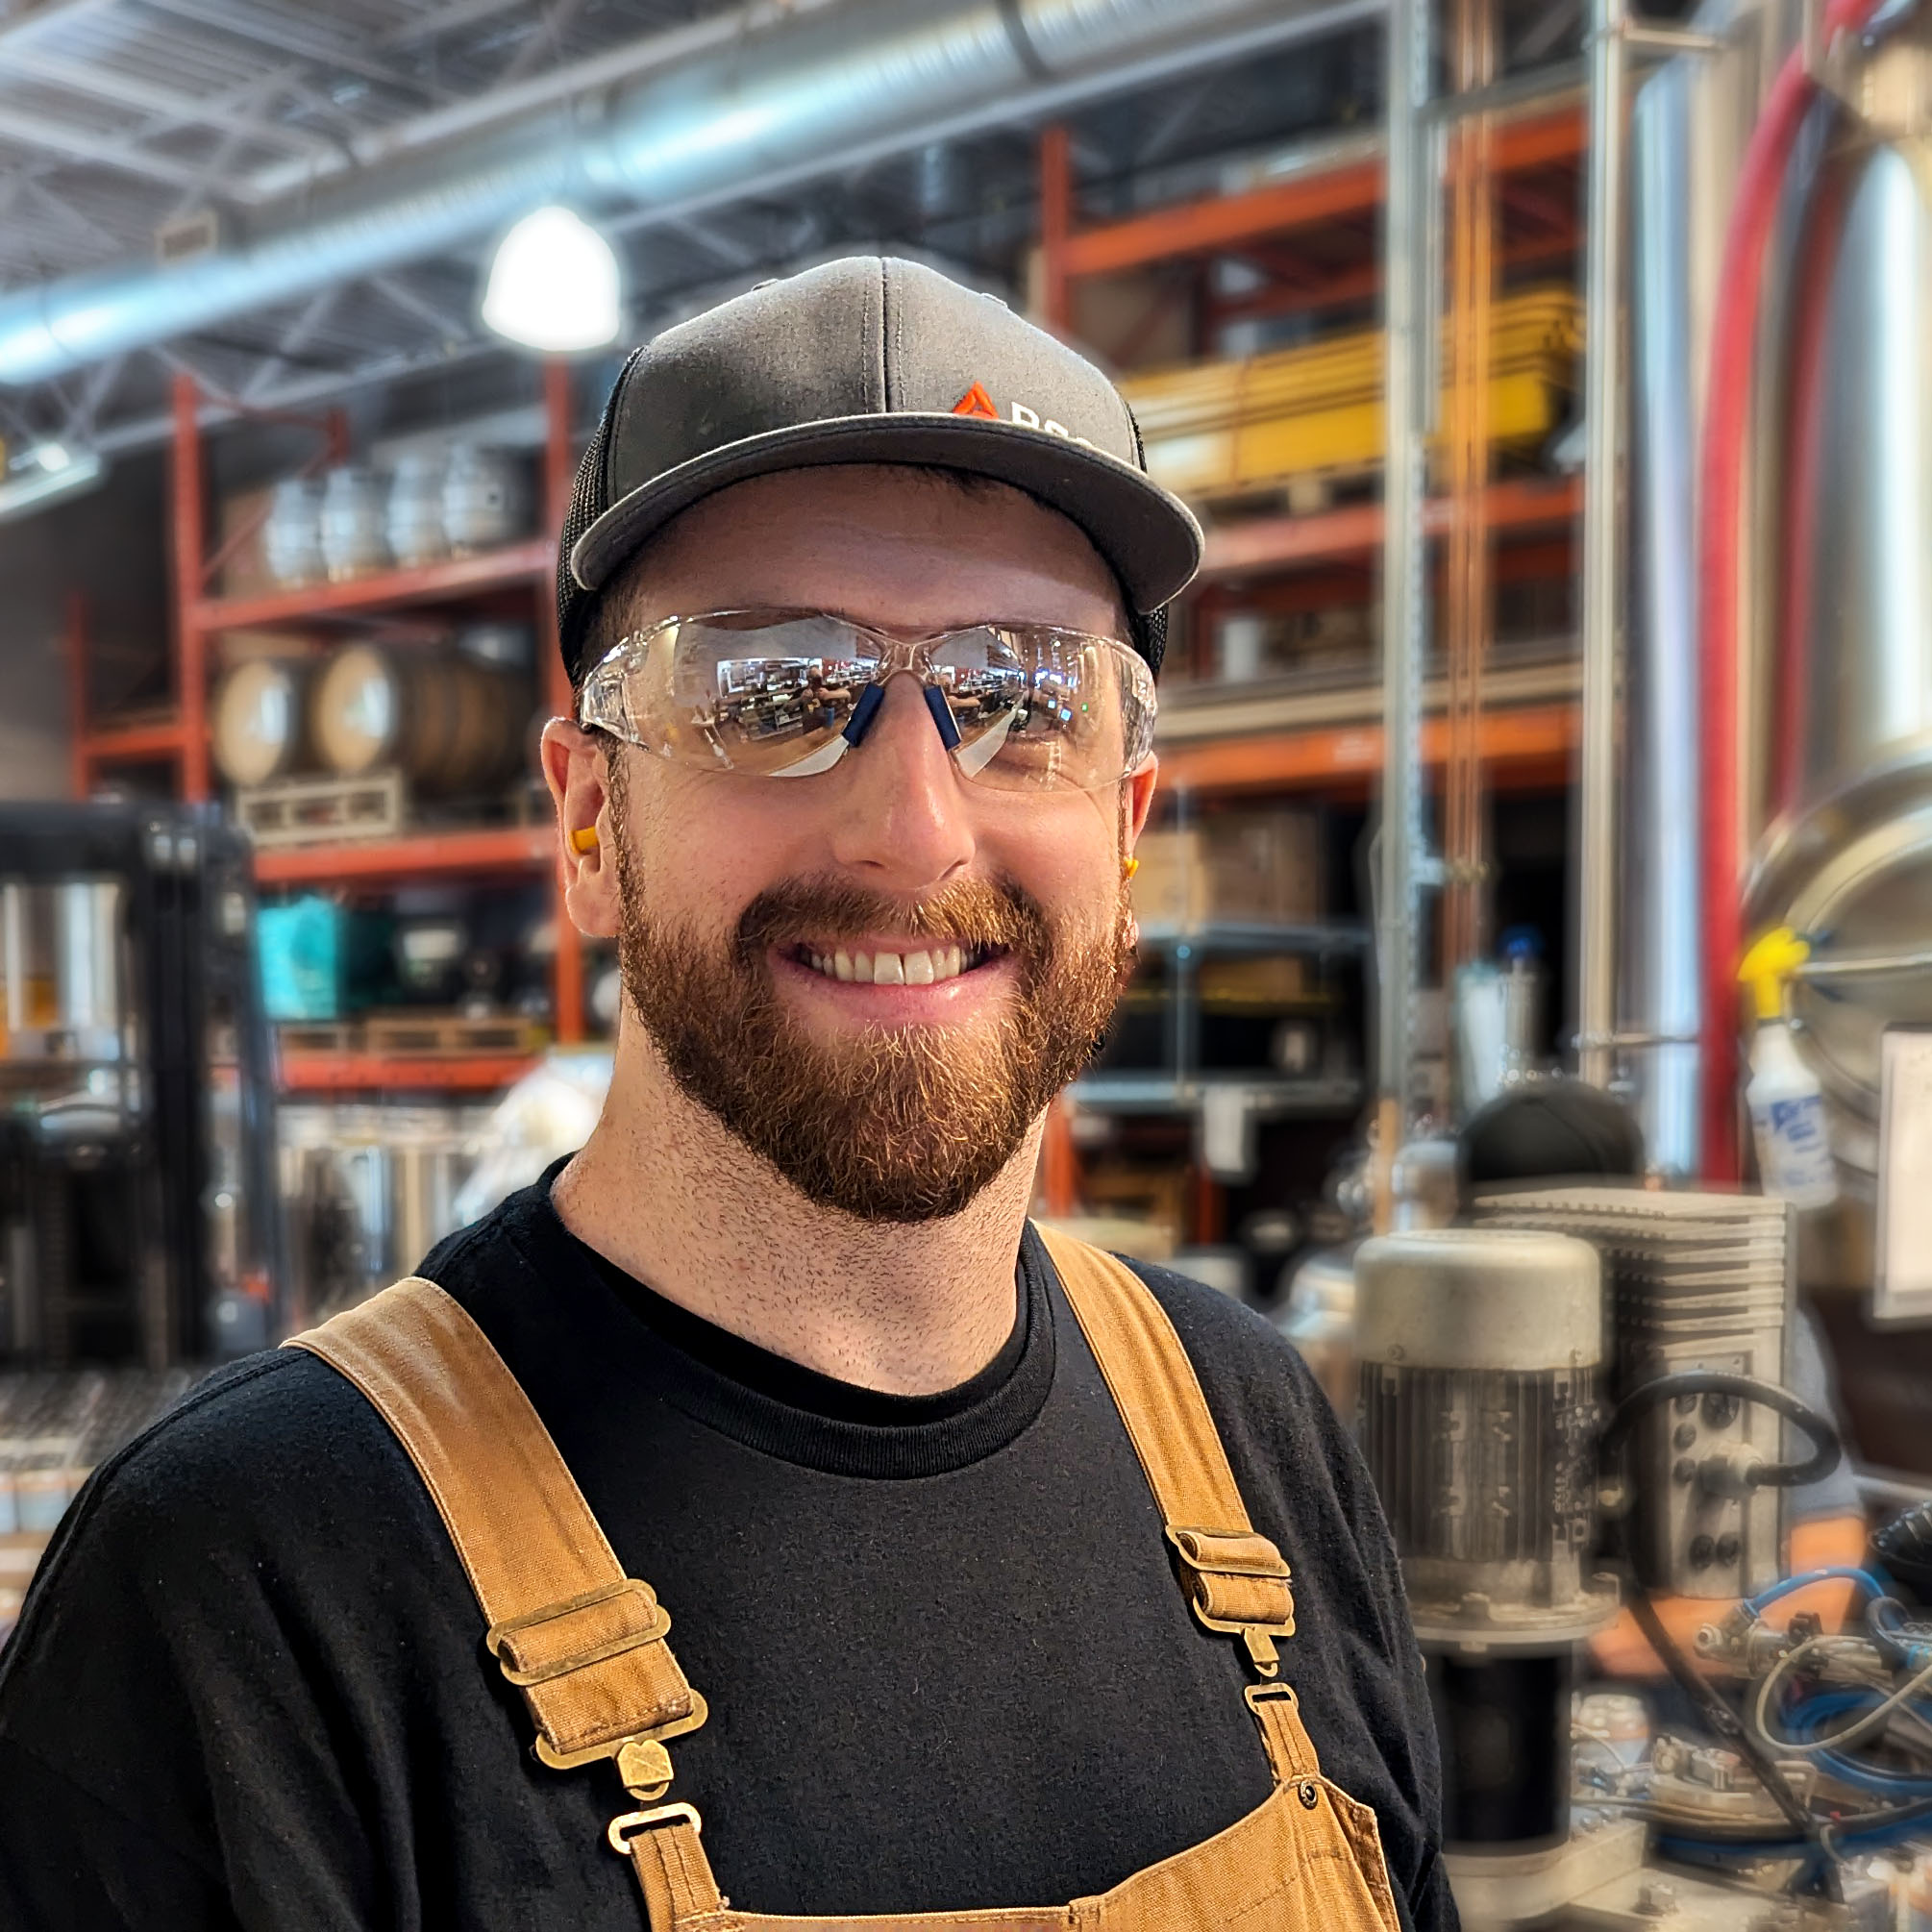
[{"x": 976, "y": 402}]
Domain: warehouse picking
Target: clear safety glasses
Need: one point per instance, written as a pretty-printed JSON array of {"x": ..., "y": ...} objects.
[{"x": 787, "y": 693}]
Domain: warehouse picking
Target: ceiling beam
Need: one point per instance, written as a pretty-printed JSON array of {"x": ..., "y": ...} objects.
[{"x": 91, "y": 145}]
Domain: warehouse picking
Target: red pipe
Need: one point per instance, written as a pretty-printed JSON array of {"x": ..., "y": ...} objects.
[
  {"x": 1721, "y": 516},
  {"x": 1804, "y": 426}
]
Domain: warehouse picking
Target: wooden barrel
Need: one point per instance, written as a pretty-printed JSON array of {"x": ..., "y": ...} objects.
[
  {"x": 451, "y": 724},
  {"x": 260, "y": 720}
]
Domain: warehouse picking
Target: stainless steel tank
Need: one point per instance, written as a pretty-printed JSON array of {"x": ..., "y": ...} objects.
[
  {"x": 1850, "y": 859},
  {"x": 1858, "y": 474}
]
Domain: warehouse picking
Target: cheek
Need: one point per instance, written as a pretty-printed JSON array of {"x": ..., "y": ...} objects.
[
  {"x": 707, "y": 844},
  {"x": 1064, "y": 851}
]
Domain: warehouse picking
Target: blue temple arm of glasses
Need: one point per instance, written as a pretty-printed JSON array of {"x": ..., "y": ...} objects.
[
  {"x": 829, "y": 755},
  {"x": 863, "y": 712},
  {"x": 942, "y": 716}
]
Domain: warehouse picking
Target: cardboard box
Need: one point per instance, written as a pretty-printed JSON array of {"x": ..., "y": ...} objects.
[
  {"x": 1263, "y": 865},
  {"x": 1252, "y": 867},
  {"x": 1171, "y": 886},
  {"x": 245, "y": 571},
  {"x": 1234, "y": 866}
]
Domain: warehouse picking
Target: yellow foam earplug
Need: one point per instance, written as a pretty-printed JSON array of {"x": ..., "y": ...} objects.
[
  {"x": 1128, "y": 867},
  {"x": 584, "y": 838}
]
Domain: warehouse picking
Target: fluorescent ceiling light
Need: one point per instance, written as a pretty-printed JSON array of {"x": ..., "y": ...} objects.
[
  {"x": 553, "y": 285},
  {"x": 37, "y": 482}
]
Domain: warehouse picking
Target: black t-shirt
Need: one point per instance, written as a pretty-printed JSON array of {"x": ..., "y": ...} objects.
[{"x": 947, "y": 1658}]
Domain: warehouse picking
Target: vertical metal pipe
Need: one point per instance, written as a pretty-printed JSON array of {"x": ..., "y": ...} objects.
[
  {"x": 14, "y": 958},
  {"x": 1603, "y": 350},
  {"x": 1469, "y": 599},
  {"x": 1660, "y": 938},
  {"x": 559, "y": 469},
  {"x": 1403, "y": 606},
  {"x": 191, "y": 572},
  {"x": 1056, "y": 225}
]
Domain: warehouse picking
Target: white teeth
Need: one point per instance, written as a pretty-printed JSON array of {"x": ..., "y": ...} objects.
[{"x": 927, "y": 968}]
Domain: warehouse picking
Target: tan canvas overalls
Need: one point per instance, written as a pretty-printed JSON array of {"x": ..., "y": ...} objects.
[{"x": 586, "y": 1645}]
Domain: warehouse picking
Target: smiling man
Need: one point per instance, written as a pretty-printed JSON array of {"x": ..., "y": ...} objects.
[{"x": 1009, "y": 1582}]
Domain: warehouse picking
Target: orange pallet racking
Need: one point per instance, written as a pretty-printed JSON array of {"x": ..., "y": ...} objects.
[
  {"x": 1328, "y": 214},
  {"x": 179, "y": 737},
  {"x": 1313, "y": 236}
]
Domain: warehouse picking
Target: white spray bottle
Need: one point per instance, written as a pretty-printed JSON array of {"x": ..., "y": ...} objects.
[{"x": 1785, "y": 1100}]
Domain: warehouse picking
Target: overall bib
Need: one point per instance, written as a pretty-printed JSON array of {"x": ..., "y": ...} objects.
[{"x": 585, "y": 1643}]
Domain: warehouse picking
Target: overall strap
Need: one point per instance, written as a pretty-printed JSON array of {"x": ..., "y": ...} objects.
[
  {"x": 582, "y": 1641},
  {"x": 1235, "y": 1578}
]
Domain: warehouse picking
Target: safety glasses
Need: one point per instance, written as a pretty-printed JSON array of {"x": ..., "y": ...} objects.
[{"x": 789, "y": 693}]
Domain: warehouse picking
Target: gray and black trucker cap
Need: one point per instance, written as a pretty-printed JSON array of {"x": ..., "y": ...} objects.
[{"x": 869, "y": 360}]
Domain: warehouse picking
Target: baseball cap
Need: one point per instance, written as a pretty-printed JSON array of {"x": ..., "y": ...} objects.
[{"x": 869, "y": 360}]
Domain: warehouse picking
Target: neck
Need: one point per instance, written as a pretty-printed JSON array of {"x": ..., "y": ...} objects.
[{"x": 666, "y": 1192}]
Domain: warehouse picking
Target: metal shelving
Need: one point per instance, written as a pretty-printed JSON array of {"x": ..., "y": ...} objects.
[
  {"x": 353, "y": 1072},
  {"x": 180, "y": 736},
  {"x": 457, "y": 577},
  {"x": 425, "y": 854}
]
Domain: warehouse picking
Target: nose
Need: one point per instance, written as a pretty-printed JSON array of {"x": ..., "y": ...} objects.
[{"x": 899, "y": 816}]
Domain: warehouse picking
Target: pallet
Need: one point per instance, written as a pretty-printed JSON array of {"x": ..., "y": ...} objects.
[
  {"x": 443, "y": 1035},
  {"x": 323, "y": 811}
]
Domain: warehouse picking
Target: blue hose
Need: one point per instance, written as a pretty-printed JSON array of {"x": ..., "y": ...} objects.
[
  {"x": 1804, "y": 1719},
  {"x": 1677, "y": 1846},
  {"x": 1873, "y": 1586}
]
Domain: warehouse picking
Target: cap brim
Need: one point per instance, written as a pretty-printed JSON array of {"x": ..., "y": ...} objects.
[{"x": 1146, "y": 535}]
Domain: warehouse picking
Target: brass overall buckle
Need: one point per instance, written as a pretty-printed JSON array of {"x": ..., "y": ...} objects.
[
  {"x": 621, "y": 1830},
  {"x": 642, "y": 1761},
  {"x": 1238, "y": 1585}
]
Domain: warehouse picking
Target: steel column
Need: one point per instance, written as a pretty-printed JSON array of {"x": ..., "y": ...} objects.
[
  {"x": 1404, "y": 590},
  {"x": 190, "y": 523},
  {"x": 559, "y": 468},
  {"x": 1602, "y": 639}
]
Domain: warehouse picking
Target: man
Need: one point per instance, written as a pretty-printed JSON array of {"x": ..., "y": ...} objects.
[{"x": 808, "y": 1369}]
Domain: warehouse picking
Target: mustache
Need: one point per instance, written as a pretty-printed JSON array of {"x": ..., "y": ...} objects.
[{"x": 975, "y": 912}]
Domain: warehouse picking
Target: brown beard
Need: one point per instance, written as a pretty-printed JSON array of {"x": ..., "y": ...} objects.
[{"x": 901, "y": 1125}]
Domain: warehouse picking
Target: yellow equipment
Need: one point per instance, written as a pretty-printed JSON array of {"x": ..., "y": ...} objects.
[{"x": 1225, "y": 429}]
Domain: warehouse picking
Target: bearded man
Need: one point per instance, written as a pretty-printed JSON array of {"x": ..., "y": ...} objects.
[{"x": 1010, "y": 1583}]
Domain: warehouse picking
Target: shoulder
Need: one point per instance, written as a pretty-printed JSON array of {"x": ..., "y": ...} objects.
[
  {"x": 1294, "y": 1459},
  {"x": 253, "y": 1479},
  {"x": 1245, "y": 1363}
]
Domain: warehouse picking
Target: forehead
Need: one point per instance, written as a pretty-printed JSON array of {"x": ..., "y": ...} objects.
[{"x": 896, "y": 547}]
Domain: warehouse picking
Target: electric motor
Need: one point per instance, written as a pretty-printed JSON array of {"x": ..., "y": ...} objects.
[{"x": 1480, "y": 1350}]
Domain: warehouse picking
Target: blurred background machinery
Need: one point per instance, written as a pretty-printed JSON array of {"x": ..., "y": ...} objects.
[{"x": 139, "y": 1208}]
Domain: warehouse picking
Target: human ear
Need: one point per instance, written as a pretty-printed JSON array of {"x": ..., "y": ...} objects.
[{"x": 575, "y": 769}]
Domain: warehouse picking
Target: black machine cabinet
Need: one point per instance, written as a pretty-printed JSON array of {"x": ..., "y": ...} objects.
[{"x": 138, "y": 1219}]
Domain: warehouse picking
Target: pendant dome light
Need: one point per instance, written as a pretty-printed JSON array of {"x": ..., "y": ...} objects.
[{"x": 553, "y": 285}]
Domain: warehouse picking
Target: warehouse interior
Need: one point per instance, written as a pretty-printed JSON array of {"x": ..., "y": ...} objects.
[{"x": 1550, "y": 719}]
